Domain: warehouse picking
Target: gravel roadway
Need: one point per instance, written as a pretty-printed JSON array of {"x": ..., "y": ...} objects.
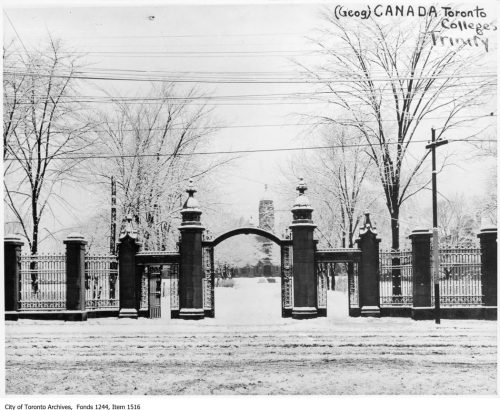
[{"x": 334, "y": 355}]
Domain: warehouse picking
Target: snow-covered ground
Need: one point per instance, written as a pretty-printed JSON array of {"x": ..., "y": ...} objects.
[{"x": 249, "y": 349}]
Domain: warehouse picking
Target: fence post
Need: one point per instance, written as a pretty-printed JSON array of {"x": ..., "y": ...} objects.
[
  {"x": 305, "y": 301},
  {"x": 75, "y": 277},
  {"x": 421, "y": 274},
  {"x": 130, "y": 275},
  {"x": 488, "y": 243},
  {"x": 191, "y": 267},
  {"x": 12, "y": 269},
  {"x": 369, "y": 275}
]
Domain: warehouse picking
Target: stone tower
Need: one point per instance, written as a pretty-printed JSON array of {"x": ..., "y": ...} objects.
[
  {"x": 266, "y": 222},
  {"x": 266, "y": 212}
]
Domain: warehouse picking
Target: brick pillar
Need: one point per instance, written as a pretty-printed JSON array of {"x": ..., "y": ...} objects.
[
  {"x": 488, "y": 243},
  {"x": 130, "y": 274},
  {"x": 368, "y": 273},
  {"x": 12, "y": 268},
  {"x": 75, "y": 276},
  {"x": 305, "y": 301},
  {"x": 421, "y": 272},
  {"x": 191, "y": 267}
]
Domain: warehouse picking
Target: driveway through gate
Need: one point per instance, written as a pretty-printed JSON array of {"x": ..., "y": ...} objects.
[{"x": 285, "y": 245}]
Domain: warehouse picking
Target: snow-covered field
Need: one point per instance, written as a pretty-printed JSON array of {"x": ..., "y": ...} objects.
[{"x": 249, "y": 349}]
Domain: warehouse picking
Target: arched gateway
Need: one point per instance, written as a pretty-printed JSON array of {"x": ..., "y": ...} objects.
[
  {"x": 249, "y": 230},
  {"x": 304, "y": 268},
  {"x": 196, "y": 279},
  {"x": 285, "y": 245}
]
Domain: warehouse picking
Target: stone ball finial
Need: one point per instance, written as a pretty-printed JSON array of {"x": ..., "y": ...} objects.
[
  {"x": 302, "y": 201},
  {"x": 301, "y": 187},
  {"x": 191, "y": 201},
  {"x": 191, "y": 188}
]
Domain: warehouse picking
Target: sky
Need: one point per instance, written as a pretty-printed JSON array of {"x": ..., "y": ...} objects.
[{"x": 260, "y": 38}]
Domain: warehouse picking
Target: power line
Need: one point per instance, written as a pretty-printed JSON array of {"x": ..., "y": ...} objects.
[
  {"x": 208, "y": 72},
  {"x": 249, "y": 151},
  {"x": 253, "y": 81},
  {"x": 145, "y": 52},
  {"x": 290, "y": 95},
  {"x": 216, "y": 104},
  {"x": 180, "y": 127},
  {"x": 202, "y": 35}
]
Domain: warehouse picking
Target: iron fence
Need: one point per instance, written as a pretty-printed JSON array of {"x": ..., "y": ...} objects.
[
  {"x": 42, "y": 282},
  {"x": 459, "y": 276},
  {"x": 101, "y": 282},
  {"x": 396, "y": 279}
]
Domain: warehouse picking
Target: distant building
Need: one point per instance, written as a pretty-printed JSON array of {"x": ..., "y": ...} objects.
[
  {"x": 266, "y": 222},
  {"x": 266, "y": 211}
]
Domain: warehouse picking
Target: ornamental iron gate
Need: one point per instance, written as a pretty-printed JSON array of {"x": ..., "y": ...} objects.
[
  {"x": 155, "y": 266},
  {"x": 154, "y": 295},
  {"x": 322, "y": 270}
]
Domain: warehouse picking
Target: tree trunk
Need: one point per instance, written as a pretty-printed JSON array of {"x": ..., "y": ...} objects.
[
  {"x": 351, "y": 233},
  {"x": 34, "y": 247},
  {"x": 34, "y": 214},
  {"x": 342, "y": 215},
  {"x": 395, "y": 229},
  {"x": 395, "y": 260}
]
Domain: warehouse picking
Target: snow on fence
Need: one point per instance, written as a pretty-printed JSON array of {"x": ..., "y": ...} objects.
[
  {"x": 101, "y": 282},
  {"x": 43, "y": 282},
  {"x": 459, "y": 276},
  {"x": 396, "y": 279}
]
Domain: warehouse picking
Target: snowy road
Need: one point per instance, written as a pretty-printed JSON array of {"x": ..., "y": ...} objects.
[{"x": 256, "y": 353}]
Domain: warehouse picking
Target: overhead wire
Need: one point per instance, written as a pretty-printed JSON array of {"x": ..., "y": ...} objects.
[
  {"x": 229, "y": 152},
  {"x": 254, "y": 81}
]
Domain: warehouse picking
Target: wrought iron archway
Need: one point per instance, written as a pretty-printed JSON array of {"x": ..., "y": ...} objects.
[{"x": 286, "y": 262}]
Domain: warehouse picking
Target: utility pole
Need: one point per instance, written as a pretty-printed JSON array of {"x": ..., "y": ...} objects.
[
  {"x": 112, "y": 237},
  {"x": 435, "y": 240}
]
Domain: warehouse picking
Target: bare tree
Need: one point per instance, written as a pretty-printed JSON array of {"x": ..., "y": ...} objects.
[
  {"x": 384, "y": 80},
  {"x": 43, "y": 128},
  {"x": 460, "y": 222},
  {"x": 151, "y": 143},
  {"x": 336, "y": 178}
]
